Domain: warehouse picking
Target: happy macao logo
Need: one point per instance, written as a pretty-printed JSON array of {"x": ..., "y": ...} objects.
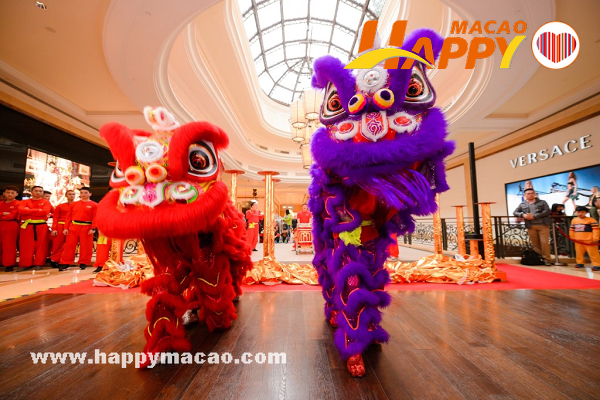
[{"x": 555, "y": 45}]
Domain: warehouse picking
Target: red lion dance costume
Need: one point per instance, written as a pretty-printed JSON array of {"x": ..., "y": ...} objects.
[{"x": 167, "y": 193}]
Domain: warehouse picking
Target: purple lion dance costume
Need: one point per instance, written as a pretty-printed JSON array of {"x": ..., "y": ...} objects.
[{"x": 378, "y": 161}]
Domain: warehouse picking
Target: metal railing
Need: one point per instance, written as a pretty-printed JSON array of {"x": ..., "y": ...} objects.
[
  {"x": 129, "y": 246},
  {"x": 423, "y": 233},
  {"x": 510, "y": 235}
]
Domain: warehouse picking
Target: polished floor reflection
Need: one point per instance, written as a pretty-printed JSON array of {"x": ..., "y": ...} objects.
[
  {"x": 16, "y": 284},
  {"x": 525, "y": 344}
]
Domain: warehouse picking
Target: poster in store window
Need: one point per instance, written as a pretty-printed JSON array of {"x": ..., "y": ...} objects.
[
  {"x": 555, "y": 188},
  {"x": 54, "y": 174}
]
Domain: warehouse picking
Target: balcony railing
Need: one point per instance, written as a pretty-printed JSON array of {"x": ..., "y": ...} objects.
[
  {"x": 510, "y": 235},
  {"x": 129, "y": 246}
]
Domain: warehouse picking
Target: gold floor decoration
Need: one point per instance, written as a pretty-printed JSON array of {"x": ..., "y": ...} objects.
[
  {"x": 271, "y": 272},
  {"x": 434, "y": 268},
  {"x": 438, "y": 268},
  {"x": 131, "y": 273}
]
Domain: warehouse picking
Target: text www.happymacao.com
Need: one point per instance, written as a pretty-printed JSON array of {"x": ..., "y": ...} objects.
[{"x": 151, "y": 360}]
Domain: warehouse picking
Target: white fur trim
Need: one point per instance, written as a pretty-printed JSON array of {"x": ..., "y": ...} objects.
[
  {"x": 371, "y": 80},
  {"x": 403, "y": 128},
  {"x": 348, "y": 135}
]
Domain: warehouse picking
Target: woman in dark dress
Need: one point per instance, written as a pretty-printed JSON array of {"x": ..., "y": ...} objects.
[
  {"x": 571, "y": 190},
  {"x": 592, "y": 203}
]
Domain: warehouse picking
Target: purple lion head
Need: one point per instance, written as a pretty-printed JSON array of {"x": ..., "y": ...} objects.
[{"x": 381, "y": 123}]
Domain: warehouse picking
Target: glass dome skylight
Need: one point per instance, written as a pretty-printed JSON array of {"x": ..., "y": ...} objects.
[{"x": 287, "y": 35}]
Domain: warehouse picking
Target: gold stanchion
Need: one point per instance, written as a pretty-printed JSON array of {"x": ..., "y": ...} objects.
[
  {"x": 488, "y": 234},
  {"x": 272, "y": 231},
  {"x": 116, "y": 251},
  {"x": 140, "y": 248},
  {"x": 234, "y": 174},
  {"x": 268, "y": 270},
  {"x": 460, "y": 231},
  {"x": 437, "y": 228},
  {"x": 268, "y": 233},
  {"x": 474, "y": 247},
  {"x": 440, "y": 268}
]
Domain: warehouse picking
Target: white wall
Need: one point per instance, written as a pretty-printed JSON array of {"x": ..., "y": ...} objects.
[
  {"x": 496, "y": 170},
  {"x": 457, "y": 194}
]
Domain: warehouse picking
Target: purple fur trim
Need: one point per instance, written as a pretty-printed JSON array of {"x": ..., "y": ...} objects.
[
  {"x": 403, "y": 175},
  {"x": 361, "y": 337},
  {"x": 404, "y": 191},
  {"x": 359, "y": 269},
  {"x": 437, "y": 41},
  {"x": 426, "y": 143},
  {"x": 362, "y": 297},
  {"x": 330, "y": 69},
  {"x": 400, "y": 224},
  {"x": 399, "y": 78}
]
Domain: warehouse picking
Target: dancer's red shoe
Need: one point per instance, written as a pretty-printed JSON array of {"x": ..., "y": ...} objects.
[{"x": 356, "y": 366}]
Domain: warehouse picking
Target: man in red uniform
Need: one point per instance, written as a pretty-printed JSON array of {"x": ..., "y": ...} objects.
[
  {"x": 102, "y": 251},
  {"x": 252, "y": 217},
  {"x": 9, "y": 228},
  {"x": 59, "y": 219},
  {"x": 33, "y": 240},
  {"x": 304, "y": 217},
  {"x": 47, "y": 195},
  {"x": 393, "y": 248},
  {"x": 79, "y": 228}
]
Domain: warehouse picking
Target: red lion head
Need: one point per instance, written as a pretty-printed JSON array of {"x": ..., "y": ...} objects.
[{"x": 165, "y": 183}]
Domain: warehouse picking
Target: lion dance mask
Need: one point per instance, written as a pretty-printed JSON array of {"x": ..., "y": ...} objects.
[
  {"x": 378, "y": 161},
  {"x": 167, "y": 193}
]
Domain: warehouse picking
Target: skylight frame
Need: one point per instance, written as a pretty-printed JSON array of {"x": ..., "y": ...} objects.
[{"x": 301, "y": 66}]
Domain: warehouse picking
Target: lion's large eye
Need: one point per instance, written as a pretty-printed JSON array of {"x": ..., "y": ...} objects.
[
  {"x": 202, "y": 159},
  {"x": 418, "y": 90},
  {"x": 332, "y": 105},
  {"x": 117, "y": 175},
  {"x": 415, "y": 88}
]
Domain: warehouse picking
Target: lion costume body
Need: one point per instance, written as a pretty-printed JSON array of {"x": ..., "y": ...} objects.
[
  {"x": 167, "y": 193},
  {"x": 378, "y": 161}
]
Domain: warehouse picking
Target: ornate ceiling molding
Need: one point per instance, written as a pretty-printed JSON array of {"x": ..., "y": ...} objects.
[{"x": 144, "y": 76}]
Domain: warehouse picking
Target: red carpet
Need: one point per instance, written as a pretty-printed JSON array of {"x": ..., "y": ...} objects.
[{"x": 518, "y": 278}]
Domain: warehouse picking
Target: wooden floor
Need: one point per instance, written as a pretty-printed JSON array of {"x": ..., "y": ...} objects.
[{"x": 445, "y": 344}]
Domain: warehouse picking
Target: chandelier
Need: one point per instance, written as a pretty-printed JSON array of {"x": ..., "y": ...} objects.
[{"x": 305, "y": 121}]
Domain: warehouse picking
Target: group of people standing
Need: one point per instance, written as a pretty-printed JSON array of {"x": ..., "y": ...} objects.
[
  {"x": 254, "y": 216},
  {"x": 24, "y": 226},
  {"x": 584, "y": 231}
]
